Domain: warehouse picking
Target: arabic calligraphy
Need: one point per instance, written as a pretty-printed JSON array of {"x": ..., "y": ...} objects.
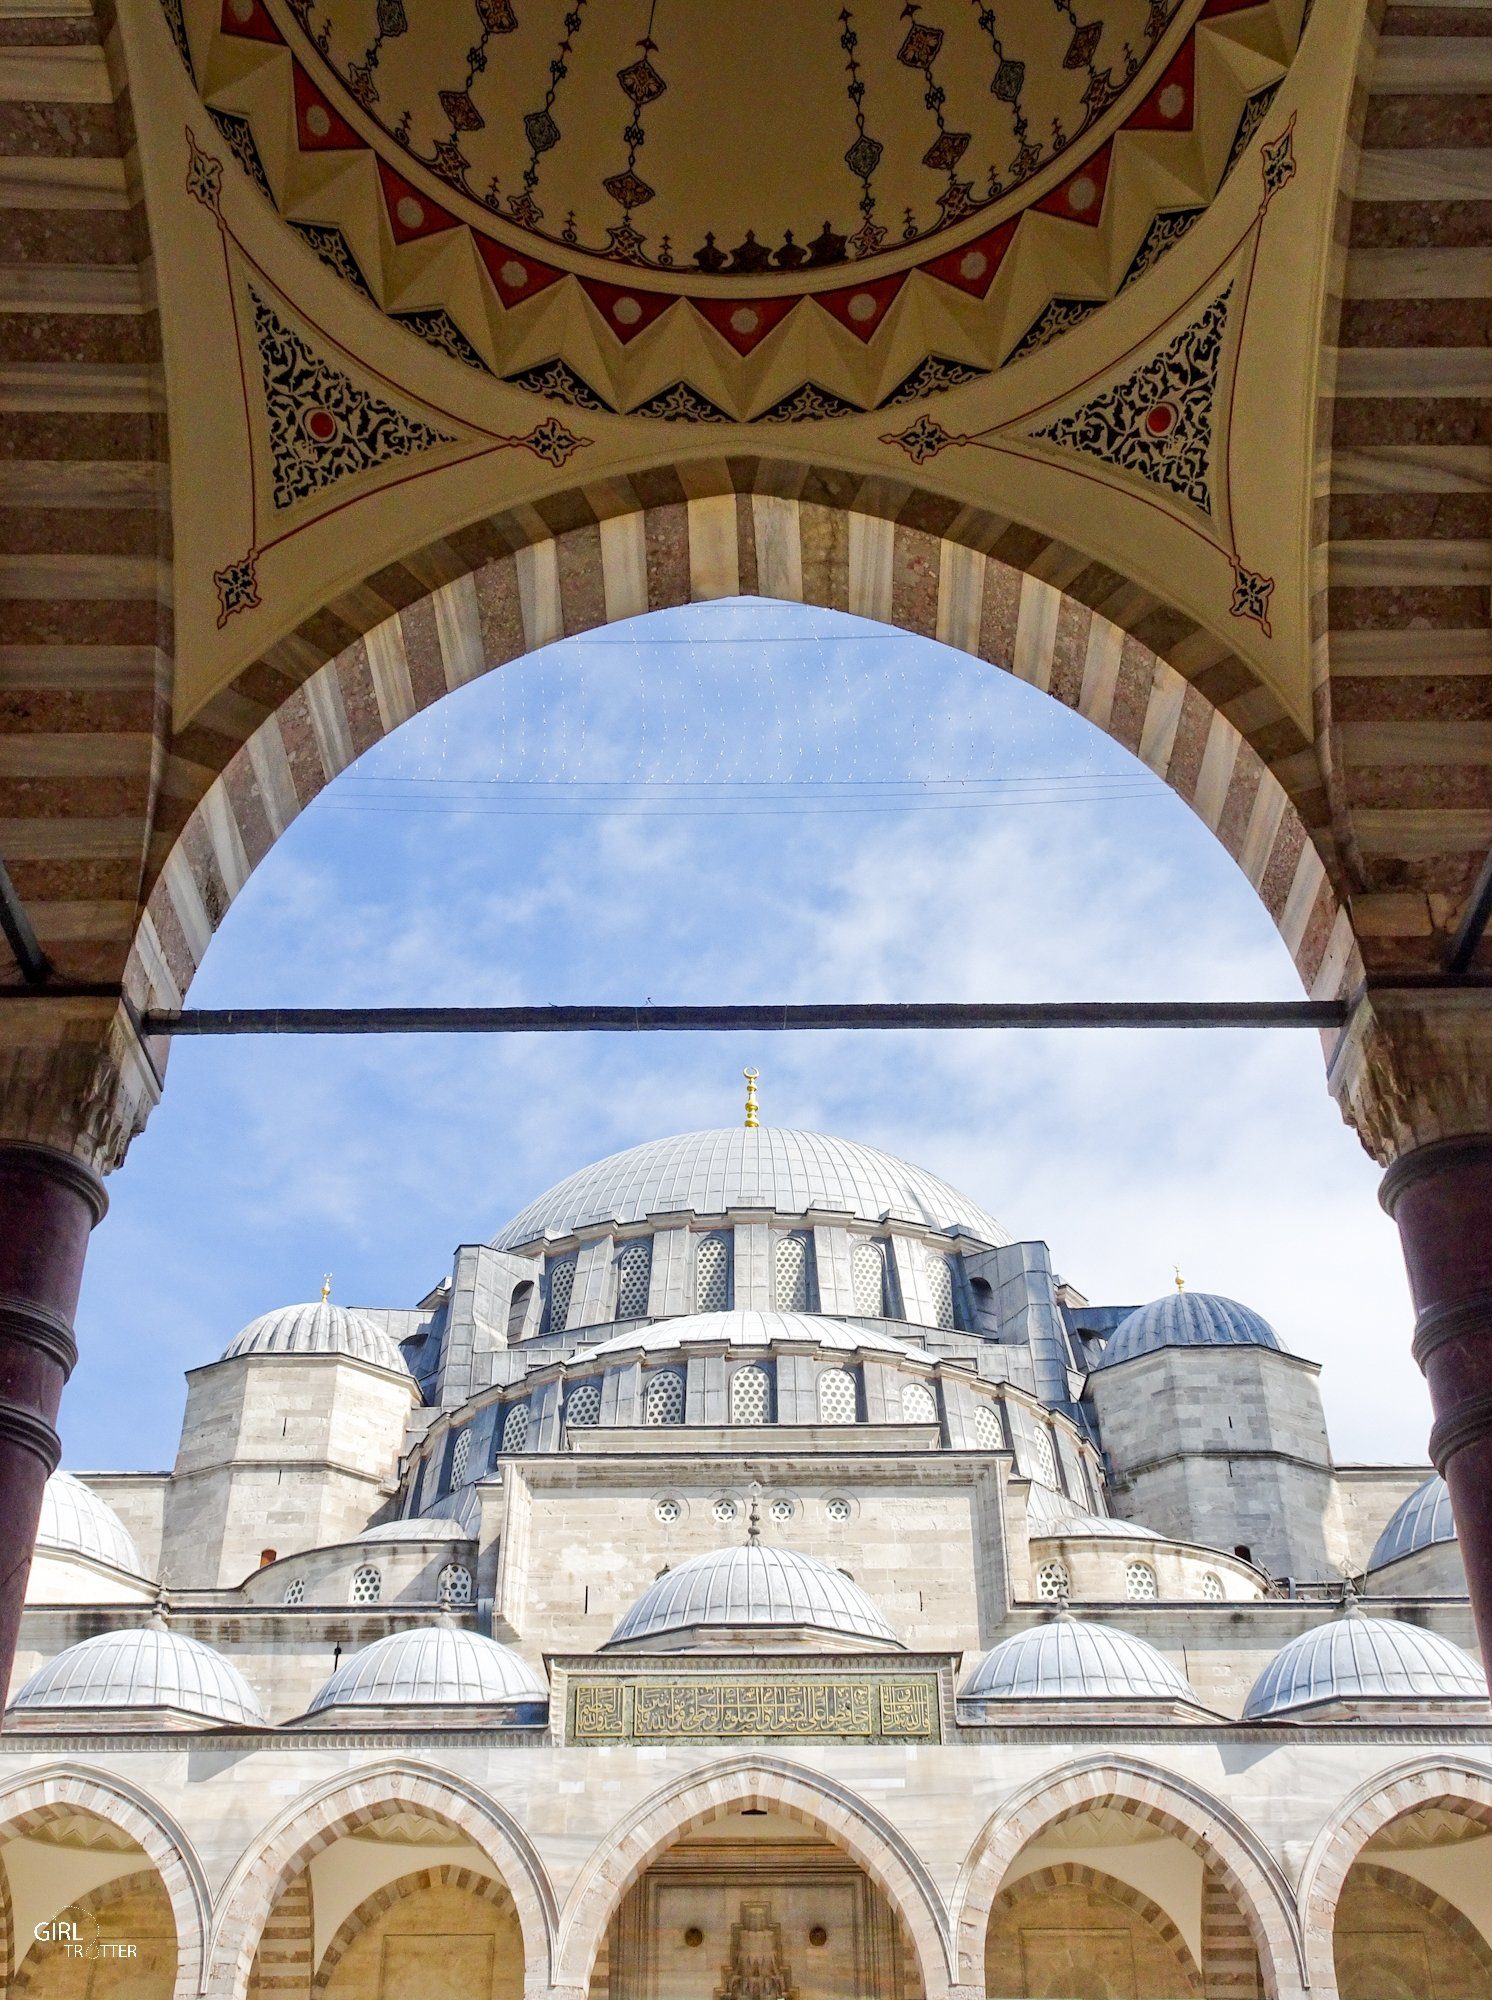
[{"x": 652, "y": 1711}]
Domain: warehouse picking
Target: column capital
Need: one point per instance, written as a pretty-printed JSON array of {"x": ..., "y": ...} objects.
[
  {"x": 75, "y": 1075},
  {"x": 1414, "y": 1068}
]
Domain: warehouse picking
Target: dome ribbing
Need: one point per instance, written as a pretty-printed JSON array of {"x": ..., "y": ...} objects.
[
  {"x": 1187, "y": 1319},
  {"x": 754, "y": 1585}
]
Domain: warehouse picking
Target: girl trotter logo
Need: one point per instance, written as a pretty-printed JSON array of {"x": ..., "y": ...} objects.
[{"x": 75, "y": 1932}]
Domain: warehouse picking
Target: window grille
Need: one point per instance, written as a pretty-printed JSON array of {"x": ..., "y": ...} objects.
[
  {"x": 838, "y": 1509},
  {"x": 868, "y": 1278},
  {"x": 461, "y": 1457},
  {"x": 367, "y": 1585},
  {"x": 988, "y": 1433},
  {"x": 663, "y": 1400},
  {"x": 515, "y": 1428},
  {"x": 838, "y": 1403},
  {"x": 518, "y": 1309},
  {"x": 1053, "y": 1585},
  {"x": 583, "y": 1405},
  {"x": 668, "y": 1511},
  {"x": 634, "y": 1275},
  {"x": 792, "y": 1273},
  {"x": 455, "y": 1584},
  {"x": 725, "y": 1510},
  {"x": 1043, "y": 1458},
  {"x": 1140, "y": 1586},
  {"x": 560, "y": 1288},
  {"x": 940, "y": 1288},
  {"x": 712, "y": 1273},
  {"x": 782, "y": 1509},
  {"x": 751, "y": 1395},
  {"x": 1212, "y": 1588},
  {"x": 917, "y": 1405},
  {"x": 295, "y": 1591}
]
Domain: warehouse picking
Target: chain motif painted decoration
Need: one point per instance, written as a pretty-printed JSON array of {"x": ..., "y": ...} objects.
[{"x": 900, "y": 1708}]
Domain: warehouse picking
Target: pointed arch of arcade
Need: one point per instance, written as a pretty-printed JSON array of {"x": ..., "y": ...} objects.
[
  {"x": 29, "y": 1805},
  {"x": 776, "y": 1786},
  {"x": 377, "y": 1906},
  {"x": 1159, "y": 1798},
  {"x": 282, "y": 1849},
  {"x": 1168, "y": 690},
  {"x": 1458, "y": 1786}
]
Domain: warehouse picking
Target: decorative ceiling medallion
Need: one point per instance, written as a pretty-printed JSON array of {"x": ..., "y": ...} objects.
[{"x": 978, "y": 159}]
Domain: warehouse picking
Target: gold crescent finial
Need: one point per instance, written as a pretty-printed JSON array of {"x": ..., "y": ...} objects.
[
  {"x": 1180, "y": 1281},
  {"x": 326, "y": 1286},
  {"x": 752, "y": 1121}
]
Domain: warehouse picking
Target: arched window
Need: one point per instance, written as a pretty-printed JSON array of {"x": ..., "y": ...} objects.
[
  {"x": 917, "y": 1405},
  {"x": 712, "y": 1273},
  {"x": 295, "y": 1591},
  {"x": 583, "y": 1405},
  {"x": 663, "y": 1399},
  {"x": 940, "y": 1289},
  {"x": 1140, "y": 1586},
  {"x": 559, "y": 1287},
  {"x": 838, "y": 1403},
  {"x": 461, "y": 1457},
  {"x": 1043, "y": 1458},
  {"x": 634, "y": 1277},
  {"x": 1053, "y": 1585},
  {"x": 792, "y": 1273},
  {"x": 515, "y": 1428},
  {"x": 518, "y": 1309},
  {"x": 868, "y": 1279},
  {"x": 986, "y": 1319},
  {"x": 367, "y": 1584},
  {"x": 455, "y": 1584},
  {"x": 1212, "y": 1587},
  {"x": 989, "y": 1434},
  {"x": 751, "y": 1395}
]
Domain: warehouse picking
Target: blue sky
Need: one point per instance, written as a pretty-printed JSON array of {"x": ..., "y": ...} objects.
[{"x": 740, "y": 801}]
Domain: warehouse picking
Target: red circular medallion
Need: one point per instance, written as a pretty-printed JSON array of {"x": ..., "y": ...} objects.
[
  {"x": 321, "y": 426},
  {"x": 1160, "y": 419}
]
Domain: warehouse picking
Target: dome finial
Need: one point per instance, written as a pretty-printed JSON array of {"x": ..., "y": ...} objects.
[
  {"x": 753, "y": 1123},
  {"x": 326, "y": 1286},
  {"x": 754, "y": 1517},
  {"x": 1180, "y": 1281}
]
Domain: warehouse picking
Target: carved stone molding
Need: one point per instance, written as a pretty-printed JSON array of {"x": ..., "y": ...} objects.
[
  {"x": 75, "y": 1075},
  {"x": 1413, "y": 1069}
]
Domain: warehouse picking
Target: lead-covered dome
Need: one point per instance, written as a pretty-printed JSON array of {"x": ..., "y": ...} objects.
[
  {"x": 758, "y": 1587},
  {"x": 146, "y": 1667},
  {"x": 76, "y": 1522},
  {"x": 431, "y": 1666},
  {"x": 744, "y": 1327},
  {"x": 788, "y": 1173},
  {"x": 1356, "y": 1660},
  {"x": 1187, "y": 1319},
  {"x": 1070, "y": 1660},
  {"x": 1416, "y": 1523},
  {"x": 320, "y": 1328}
]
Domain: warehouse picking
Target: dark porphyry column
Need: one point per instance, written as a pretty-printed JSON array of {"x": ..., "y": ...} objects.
[
  {"x": 1440, "y": 1196},
  {"x": 48, "y": 1203}
]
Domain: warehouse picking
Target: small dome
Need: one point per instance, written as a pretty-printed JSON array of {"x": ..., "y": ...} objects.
[
  {"x": 1358, "y": 1659},
  {"x": 754, "y": 1585},
  {"x": 1187, "y": 1319},
  {"x": 706, "y": 1173},
  {"x": 744, "y": 1328},
  {"x": 321, "y": 1328},
  {"x": 418, "y": 1528},
  {"x": 1069, "y": 1660},
  {"x": 430, "y": 1666},
  {"x": 75, "y": 1520},
  {"x": 1416, "y": 1523},
  {"x": 146, "y": 1666},
  {"x": 1053, "y": 1514}
]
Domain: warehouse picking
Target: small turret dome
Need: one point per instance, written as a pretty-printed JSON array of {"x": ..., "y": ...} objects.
[
  {"x": 1357, "y": 1660},
  {"x": 146, "y": 1667},
  {"x": 1187, "y": 1319},
  {"x": 75, "y": 1521},
  {"x": 755, "y": 1586},
  {"x": 1070, "y": 1660},
  {"x": 1416, "y": 1523},
  {"x": 431, "y": 1666},
  {"x": 320, "y": 1328}
]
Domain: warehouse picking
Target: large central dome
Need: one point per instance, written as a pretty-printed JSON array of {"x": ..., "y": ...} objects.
[{"x": 788, "y": 1173}]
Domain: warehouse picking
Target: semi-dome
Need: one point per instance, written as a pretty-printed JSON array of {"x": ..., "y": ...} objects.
[
  {"x": 1363, "y": 1660},
  {"x": 144, "y": 1667},
  {"x": 1070, "y": 1660},
  {"x": 431, "y": 1666},
  {"x": 1187, "y": 1319},
  {"x": 1416, "y": 1523},
  {"x": 788, "y": 1173},
  {"x": 742, "y": 1327},
  {"x": 75, "y": 1521},
  {"x": 418, "y": 1528},
  {"x": 758, "y": 1586},
  {"x": 1050, "y": 1514},
  {"x": 320, "y": 1328}
]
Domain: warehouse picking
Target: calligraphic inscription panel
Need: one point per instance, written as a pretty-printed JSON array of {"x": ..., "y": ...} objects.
[{"x": 716, "y": 1708}]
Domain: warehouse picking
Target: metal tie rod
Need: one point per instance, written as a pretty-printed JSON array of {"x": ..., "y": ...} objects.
[{"x": 826, "y": 1017}]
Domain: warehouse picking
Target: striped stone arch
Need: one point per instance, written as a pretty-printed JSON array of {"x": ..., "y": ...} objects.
[
  {"x": 96, "y": 1903},
  {"x": 768, "y": 1782},
  {"x": 1439, "y": 1781},
  {"x": 446, "y": 1876},
  {"x": 31, "y": 1804},
  {"x": 1077, "y": 1874},
  {"x": 1158, "y": 1798},
  {"x": 279, "y": 1855},
  {"x": 1423, "y": 1897},
  {"x": 1161, "y": 686}
]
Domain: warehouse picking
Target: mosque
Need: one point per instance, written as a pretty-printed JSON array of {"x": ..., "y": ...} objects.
[{"x": 754, "y": 1574}]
